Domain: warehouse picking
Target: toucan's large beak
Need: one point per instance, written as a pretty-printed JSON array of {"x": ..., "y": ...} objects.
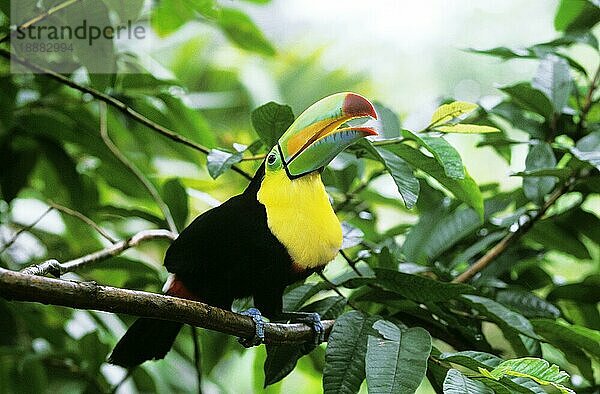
[{"x": 315, "y": 137}]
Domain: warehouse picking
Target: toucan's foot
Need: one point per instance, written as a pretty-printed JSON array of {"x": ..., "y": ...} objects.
[
  {"x": 313, "y": 319},
  {"x": 259, "y": 324}
]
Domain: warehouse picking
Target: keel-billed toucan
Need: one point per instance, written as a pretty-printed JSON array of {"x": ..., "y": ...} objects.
[{"x": 279, "y": 230}]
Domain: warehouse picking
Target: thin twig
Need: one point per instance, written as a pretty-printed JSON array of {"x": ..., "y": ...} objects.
[
  {"x": 84, "y": 219},
  {"x": 197, "y": 358},
  {"x": 362, "y": 186},
  {"x": 350, "y": 262},
  {"x": 88, "y": 295},
  {"x": 510, "y": 238},
  {"x": 134, "y": 170},
  {"x": 115, "y": 103},
  {"x": 333, "y": 287},
  {"x": 39, "y": 18},
  {"x": 589, "y": 98},
  {"x": 56, "y": 269},
  {"x": 11, "y": 241}
]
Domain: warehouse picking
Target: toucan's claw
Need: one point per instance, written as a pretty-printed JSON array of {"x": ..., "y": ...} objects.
[
  {"x": 313, "y": 319},
  {"x": 259, "y": 324}
]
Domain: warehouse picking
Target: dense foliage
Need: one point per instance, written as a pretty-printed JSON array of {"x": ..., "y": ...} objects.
[{"x": 408, "y": 304}]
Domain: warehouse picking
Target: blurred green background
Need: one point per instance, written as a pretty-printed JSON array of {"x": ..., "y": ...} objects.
[{"x": 406, "y": 55}]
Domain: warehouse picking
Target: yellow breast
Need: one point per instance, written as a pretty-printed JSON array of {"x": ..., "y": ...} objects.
[{"x": 300, "y": 216}]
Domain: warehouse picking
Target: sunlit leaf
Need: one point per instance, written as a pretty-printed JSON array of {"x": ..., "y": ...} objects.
[
  {"x": 576, "y": 15},
  {"x": 240, "y": 29},
  {"x": 448, "y": 112},
  {"x": 444, "y": 153},
  {"x": 534, "y": 368},
  {"x": 465, "y": 128}
]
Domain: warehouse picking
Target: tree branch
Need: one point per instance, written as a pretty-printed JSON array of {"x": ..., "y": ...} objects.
[
  {"x": 115, "y": 103},
  {"x": 40, "y": 17},
  {"x": 84, "y": 295},
  {"x": 54, "y": 268},
  {"x": 510, "y": 238}
]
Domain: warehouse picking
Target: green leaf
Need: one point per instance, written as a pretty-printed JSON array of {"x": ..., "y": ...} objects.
[
  {"x": 100, "y": 56},
  {"x": 126, "y": 10},
  {"x": 556, "y": 237},
  {"x": 270, "y": 121},
  {"x": 448, "y": 112},
  {"x": 218, "y": 161},
  {"x": 587, "y": 291},
  {"x": 540, "y": 156},
  {"x": 457, "y": 383},
  {"x": 17, "y": 160},
  {"x": 553, "y": 78},
  {"x": 449, "y": 230},
  {"x": 502, "y": 316},
  {"x": 558, "y": 330},
  {"x": 389, "y": 125},
  {"x": 403, "y": 176},
  {"x": 169, "y": 15},
  {"x": 240, "y": 29},
  {"x": 465, "y": 128},
  {"x": 533, "y": 368},
  {"x": 477, "y": 361},
  {"x": 527, "y": 303},
  {"x": 415, "y": 287},
  {"x": 443, "y": 152},
  {"x": 559, "y": 173},
  {"x": 464, "y": 189},
  {"x": 577, "y": 15},
  {"x": 588, "y": 149},
  {"x": 345, "y": 356},
  {"x": 296, "y": 297},
  {"x": 176, "y": 198},
  {"x": 472, "y": 359},
  {"x": 389, "y": 354},
  {"x": 281, "y": 360},
  {"x": 328, "y": 308},
  {"x": 526, "y": 97}
]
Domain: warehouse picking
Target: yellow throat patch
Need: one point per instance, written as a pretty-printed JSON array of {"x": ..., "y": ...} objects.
[{"x": 300, "y": 216}]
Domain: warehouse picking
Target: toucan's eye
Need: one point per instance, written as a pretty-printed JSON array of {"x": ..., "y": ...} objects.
[{"x": 271, "y": 159}]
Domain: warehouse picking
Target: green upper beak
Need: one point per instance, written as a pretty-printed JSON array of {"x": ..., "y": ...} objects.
[{"x": 315, "y": 137}]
